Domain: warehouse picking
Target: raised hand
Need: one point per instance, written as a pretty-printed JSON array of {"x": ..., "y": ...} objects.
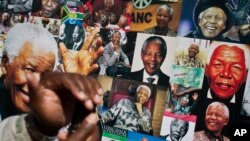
[
  {"x": 83, "y": 62},
  {"x": 53, "y": 99},
  {"x": 240, "y": 10}
]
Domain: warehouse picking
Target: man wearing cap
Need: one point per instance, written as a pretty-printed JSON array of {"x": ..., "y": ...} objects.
[{"x": 212, "y": 19}]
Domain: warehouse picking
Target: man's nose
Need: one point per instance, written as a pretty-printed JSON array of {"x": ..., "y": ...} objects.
[
  {"x": 153, "y": 57},
  {"x": 226, "y": 72},
  {"x": 212, "y": 20}
]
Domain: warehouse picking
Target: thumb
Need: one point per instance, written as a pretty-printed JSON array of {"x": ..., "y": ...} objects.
[
  {"x": 33, "y": 83},
  {"x": 86, "y": 130},
  {"x": 63, "y": 49}
]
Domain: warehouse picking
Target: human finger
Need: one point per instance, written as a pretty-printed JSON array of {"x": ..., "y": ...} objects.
[
  {"x": 90, "y": 39},
  {"x": 96, "y": 54},
  {"x": 62, "y": 49},
  {"x": 33, "y": 83},
  {"x": 86, "y": 129},
  {"x": 94, "y": 89},
  {"x": 58, "y": 81}
]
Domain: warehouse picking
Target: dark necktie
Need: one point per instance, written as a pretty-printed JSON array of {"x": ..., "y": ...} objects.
[{"x": 150, "y": 80}]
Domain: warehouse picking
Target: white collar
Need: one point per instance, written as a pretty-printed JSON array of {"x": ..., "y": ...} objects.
[
  {"x": 78, "y": 44},
  {"x": 146, "y": 75},
  {"x": 209, "y": 95}
]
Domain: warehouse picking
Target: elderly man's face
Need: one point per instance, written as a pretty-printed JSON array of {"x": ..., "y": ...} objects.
[
  {"x": 76, "y": 37},
  {"x": 193, "y": 50},
  {"x": 5, "y": 17},
  {"x": 28, "y": 61},
  {"x": 212, "y": 22},
  {"x": 50, "y": 8},
  {"x": 163, "y": 17},
  {"x": 142, "y": 95},
  {"x": 178, "y": 129},
  {"x": 215, "y": 119},
  {"x": 152, "y": 58},
  {"x": 116, "y": 38},
  {"x": 108, "y": 5},
  {"x": 226, "y": 71}
]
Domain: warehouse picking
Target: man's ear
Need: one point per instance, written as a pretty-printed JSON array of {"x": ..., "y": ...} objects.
[
  {"x": 226, "y": 121},
  {"x": 5, "y": 64}
]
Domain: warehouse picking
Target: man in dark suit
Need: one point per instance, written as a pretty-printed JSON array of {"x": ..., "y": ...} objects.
[
  {"x": 153, "y": 53},
  {"x": 77, "y": 37}
]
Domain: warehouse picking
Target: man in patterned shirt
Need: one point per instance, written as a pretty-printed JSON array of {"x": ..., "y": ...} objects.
[
  {"x": 130, "y": 115},
  {"x": 190, "y": 60}
]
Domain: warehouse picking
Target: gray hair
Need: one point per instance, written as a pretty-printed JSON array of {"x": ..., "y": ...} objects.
[
  {"x": 111, "y": 1},
  {"x": 39, "y": 37},
  {"x": 144, "y": 87},
  {"x": 202, "y": 13},
  {"x": 167, "y": 7},
  {"x": 220, "y": 104}
]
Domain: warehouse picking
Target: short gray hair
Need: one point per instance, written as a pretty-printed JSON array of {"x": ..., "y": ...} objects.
[
  {"x": 220, "y": 104},
  {"x": 202, "y": 13},
  {"x": 38, "y": 36},
  {"x": 144, "y": 87},
  {"x": 111, "y": 0},
  {"x": 167, "y": 7}
]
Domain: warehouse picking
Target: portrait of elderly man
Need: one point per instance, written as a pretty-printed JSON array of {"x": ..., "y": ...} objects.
[
  {"x": 226, "y": 70},
  {"x": 130, "y": 115},
  {"x": 105, "y": 16},
  {"x": 115, "y": 60},
  {"x": 178, "y": 129},
  {"x": 217, "y": 116},
  {"x": 212, "y": 19},
  {"x": 164, "y": 15},
  {"x": 78, "y": 37},
  {"x": 153, "y": 53},
  {"x": 5, "y": 23},
  {"x": 33, "y": 56},
  {"x": 49, "y": 9},
  {"x": 190, "y": 60}
]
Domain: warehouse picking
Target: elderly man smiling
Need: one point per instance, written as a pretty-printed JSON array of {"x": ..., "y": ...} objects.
[
  {"x": 212, "y": 19},
  {"x": 31, "y": 54},
  {"x": 34, "y": 51},
  {"x": 217, "y": 116}
]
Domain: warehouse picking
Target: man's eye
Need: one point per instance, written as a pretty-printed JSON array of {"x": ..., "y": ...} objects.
[
  {"x": 218, "y": 65},
  {"x": 207, "y": 17},
  {"x": 218, "y": 18},
  {"x": 29, "y": 69},
  {"x": 238, "y": 67}
]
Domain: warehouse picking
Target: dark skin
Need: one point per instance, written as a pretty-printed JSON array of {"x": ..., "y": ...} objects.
[{"x": 55, "y": 95}]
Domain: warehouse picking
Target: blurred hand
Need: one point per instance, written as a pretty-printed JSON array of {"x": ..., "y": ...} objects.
[
  {"x": 84, "y": 61},
  {"x": 87, "y": 131},
  {"x": 53, "y": 98}
]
